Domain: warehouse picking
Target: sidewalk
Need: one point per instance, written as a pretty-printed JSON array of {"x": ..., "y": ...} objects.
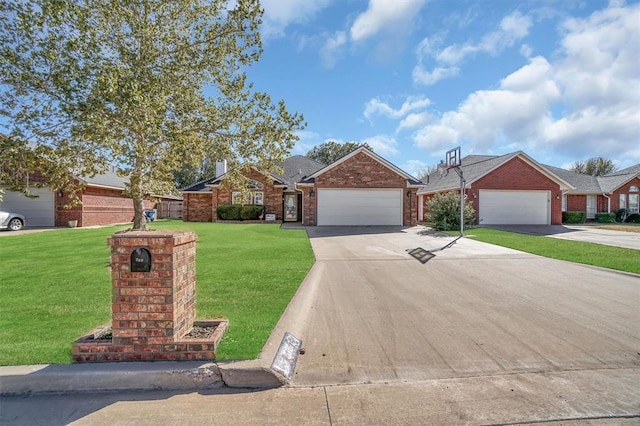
[{"x": 569, "y": 397}]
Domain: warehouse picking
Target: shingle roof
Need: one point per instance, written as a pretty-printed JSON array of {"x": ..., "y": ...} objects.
[
  {"x": 583, "y": 184},
  {"x": 108, "y": 179},
  {"x": 295, "y": 169},
  {"x": 474, "y": 167}
]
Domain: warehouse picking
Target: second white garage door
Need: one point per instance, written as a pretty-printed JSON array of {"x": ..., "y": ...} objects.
[
  {"x": 360, "y": 206},
  {"x": 515, "y": 207},
  {"x": 39, "y": 211}
]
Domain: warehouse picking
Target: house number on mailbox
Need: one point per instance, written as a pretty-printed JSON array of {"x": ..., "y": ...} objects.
[{"x": 140, "y": 260}]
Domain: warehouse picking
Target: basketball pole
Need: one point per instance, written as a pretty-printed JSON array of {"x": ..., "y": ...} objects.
[{"x": 462, "y": 187}]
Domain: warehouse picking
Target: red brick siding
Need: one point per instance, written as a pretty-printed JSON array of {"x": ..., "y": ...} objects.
[
  {"x": 362, "y": 171},
  {"x": 151, "y": 311},
  {"x": 196, "y": 207},
  {"x": 517, "y": 174},
  {"x": 624, "y": 189},
  {"x": 202, "y": 207},
  {"x": 100, "y": 206}
]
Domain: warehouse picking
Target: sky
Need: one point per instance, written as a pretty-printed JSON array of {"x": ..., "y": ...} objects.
[{"x": 559, "y": 80}]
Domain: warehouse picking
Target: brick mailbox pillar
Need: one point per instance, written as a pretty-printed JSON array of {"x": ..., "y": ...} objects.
[{"x": 153, "y": 303}]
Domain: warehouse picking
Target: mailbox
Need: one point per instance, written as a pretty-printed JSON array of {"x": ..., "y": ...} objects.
[{"x": 140, "y": 260}]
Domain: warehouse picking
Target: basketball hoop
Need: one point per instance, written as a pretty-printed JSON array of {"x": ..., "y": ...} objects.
[{"x": 453, "y": 160}]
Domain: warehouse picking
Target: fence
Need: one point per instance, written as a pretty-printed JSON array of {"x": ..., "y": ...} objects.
[{"x": 169, "y": 210}]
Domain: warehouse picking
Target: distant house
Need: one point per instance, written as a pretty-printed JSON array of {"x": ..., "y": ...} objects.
[
  {"x": 361, "y": 188},
  {"x": 617, "y": 190},
  {"x": 515, "y": 189},
  {"x": 102, "y": 203}
]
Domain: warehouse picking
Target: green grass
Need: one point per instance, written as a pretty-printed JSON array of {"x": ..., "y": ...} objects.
[
  {"x": 621, "y": 259},
  {"x": 56, "y": 286}
]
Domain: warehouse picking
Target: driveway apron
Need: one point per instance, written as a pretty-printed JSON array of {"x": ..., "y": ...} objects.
[{"x": 368, "y": 312}]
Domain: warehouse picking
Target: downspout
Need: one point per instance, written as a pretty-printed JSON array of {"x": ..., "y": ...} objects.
[{"x": 608, "y": 202}]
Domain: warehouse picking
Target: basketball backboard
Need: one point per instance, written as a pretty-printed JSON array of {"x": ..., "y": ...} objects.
[{"x": 452, "y": 158}]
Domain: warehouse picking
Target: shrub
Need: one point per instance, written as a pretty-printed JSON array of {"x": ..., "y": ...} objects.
[
  {"x": 443, "y": 212},
  {"x": 239, "y": 212},
  {"x": 251, "y": 212},
  {"x": 605, "y": 217},
  {"x": 574, "y": 217},
  {"x": 621, "y": 215},
  {"x": 633, "y": 218},
  {"x": 229, "y": 212}
]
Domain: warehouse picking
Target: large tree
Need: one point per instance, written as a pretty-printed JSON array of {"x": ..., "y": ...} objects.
[
  {"x": 147, "y": 85},
  {"x": 597, "y": 166},
  {"x": 330, "y": 151}
]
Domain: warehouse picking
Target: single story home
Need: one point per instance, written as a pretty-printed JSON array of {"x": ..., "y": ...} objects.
[
  {"x": 361, "y": 188},
  {"x": 601, "y": 194},
  {"x": 515, "y": 189},
  {"x": 102, "y": 203}
]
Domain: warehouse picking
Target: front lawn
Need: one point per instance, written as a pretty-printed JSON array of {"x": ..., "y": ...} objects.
[
  {"x": 621, "y": 259},
  {"x": 56, "y": 286}
]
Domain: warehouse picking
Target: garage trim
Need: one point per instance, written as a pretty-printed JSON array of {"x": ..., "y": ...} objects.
[
  {"x": 360, "y": 206},
  {"x": 513, "y": 207}
]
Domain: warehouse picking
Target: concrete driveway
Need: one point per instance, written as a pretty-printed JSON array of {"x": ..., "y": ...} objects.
[
  {"x": 368, "y": 312},
  {"x": 584, "y": 233}
]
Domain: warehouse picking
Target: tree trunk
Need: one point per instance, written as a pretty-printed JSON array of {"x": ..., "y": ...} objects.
[{"x": 139, "y": 220}]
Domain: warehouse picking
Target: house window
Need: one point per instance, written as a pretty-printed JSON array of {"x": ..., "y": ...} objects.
[
  {"x": 633, "y": 189},
  {"x": 623, "y": 201},
  {"x": 564, "y": 202},
  {"x": 633, "y": 203},
  {"x": 236, "y": 198},
  {"x": 249, "y": 198}
]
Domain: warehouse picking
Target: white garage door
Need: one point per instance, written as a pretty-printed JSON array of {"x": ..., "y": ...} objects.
[
  {"x": 515, "y": 207},
  {"x": 38, "y": 211},
  {"x": 360, "y": 206}
]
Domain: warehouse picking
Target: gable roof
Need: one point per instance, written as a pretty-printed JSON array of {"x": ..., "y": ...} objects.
[
  {"x": 412, "y": 181},
  {"x": 587, "y": 184},
  {"x": 475, "y": 167},
  {"x": 108, "y": 179},
  {"x": 294, "y": 168}
]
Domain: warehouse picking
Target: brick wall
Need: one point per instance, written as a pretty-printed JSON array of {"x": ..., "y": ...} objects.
[
  {"x": 151, "y": 311},
  {"x": 624, "y": 189},
  {"x": 517, "y": 174},
  {"x": 362, "y": 171},
  {"x": 100, "y": 206},
  {"x": 196, "y": 207}
]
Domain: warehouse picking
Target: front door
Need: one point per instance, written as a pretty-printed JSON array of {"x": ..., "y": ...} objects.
[
  {"x": 591, "y": 206},
  {"x": 291, "y": 207}
]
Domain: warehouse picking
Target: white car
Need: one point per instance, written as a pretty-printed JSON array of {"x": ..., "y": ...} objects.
[{"x": 11, "y": 221}]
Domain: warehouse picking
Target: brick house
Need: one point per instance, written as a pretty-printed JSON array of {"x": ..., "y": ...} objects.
[
  {"x": 515, "y": 189},
  {"x": 361, "y": 188},
  {"x": 506, "y": 189},
  {"x": 591, "y": 194},
  {"x": 102, "y": 203}
]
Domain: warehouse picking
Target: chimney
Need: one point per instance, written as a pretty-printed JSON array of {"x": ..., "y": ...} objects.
[{"x": 221, "y": 168}]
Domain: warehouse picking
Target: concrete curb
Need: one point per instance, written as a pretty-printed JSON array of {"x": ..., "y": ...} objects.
[{"x": 103, "y": 377}]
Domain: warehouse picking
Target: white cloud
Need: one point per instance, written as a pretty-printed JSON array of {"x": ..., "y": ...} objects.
[
  {"x": 375, "y": 107},
  {"x": 513, "y": 28},
  {"x": 278, "y": 14},
  {"x": 382, "y": 144},
  {"x": 414, "y": 120},
  {"x": 586, "y": 100},
  {"x": 307, "y": 140},
  {"x": 384, "y": 15},
  {"x": 427, "y": 78},
  {"x": 332, "y": 48},
  {"x": 414, "y": 167}
]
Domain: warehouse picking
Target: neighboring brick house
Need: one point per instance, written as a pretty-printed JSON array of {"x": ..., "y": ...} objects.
[
  {"x": 360, "y": 188},
  {"x": 600, "y": 194},
  {"x": 102, "y": 203},
  {"x": 515, "y": 189},
  {"x": 506, "y": 189}
]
